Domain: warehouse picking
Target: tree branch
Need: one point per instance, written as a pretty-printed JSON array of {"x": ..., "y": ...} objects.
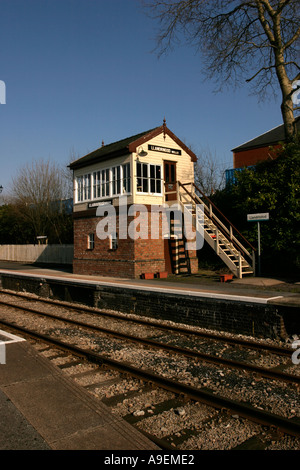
[
  {"x": 292, "y": 40},
  {"x": 260, "y": 70},
  {"x": 263, "y": 21}
]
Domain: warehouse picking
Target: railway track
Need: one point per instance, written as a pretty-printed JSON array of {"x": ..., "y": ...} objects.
[
  {"x": 211, "y": 405},
  {"x": 272, "y": 374},
  {"x": 285, "y": 351}
]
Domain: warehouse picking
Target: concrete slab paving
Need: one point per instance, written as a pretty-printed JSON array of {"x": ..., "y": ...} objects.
[
  {"x": 55, "y": 413},
  {"x": 16, "y": 433},
  {"x": 257, "y": 281}
]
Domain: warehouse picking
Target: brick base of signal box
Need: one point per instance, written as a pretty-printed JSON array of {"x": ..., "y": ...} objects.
[{"x": 131, "y": 259}]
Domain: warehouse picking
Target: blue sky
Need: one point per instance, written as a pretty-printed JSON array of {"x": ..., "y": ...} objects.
[{"x": 79, "y": 71}]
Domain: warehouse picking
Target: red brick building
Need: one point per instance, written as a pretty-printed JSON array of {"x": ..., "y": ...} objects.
[{"x": 258, "y": 149}]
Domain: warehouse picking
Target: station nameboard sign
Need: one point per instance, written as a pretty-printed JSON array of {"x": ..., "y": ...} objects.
[
  {"x": 157, "y": 148},
  {"x": 100, "y": 203},
  {"x": 258, "y": 217}
]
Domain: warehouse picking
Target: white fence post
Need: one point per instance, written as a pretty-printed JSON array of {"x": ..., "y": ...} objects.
[{"x": 2, "y": 352}]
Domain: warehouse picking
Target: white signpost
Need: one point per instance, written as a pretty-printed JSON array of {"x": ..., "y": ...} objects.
[{"x": 260, "y": 217}]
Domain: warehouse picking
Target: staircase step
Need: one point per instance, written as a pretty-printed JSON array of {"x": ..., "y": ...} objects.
[{"x": 226, "y": 249}]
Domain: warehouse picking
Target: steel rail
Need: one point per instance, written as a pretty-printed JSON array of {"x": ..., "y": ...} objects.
[
  {"x": 210, "y": 399},
  {"x": 268, "y": 373},
  {"x": 186, "y": 331}
]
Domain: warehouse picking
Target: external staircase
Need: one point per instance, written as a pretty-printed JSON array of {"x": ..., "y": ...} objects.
[
  {"x": 227, "y": 242},
  {"x": 179, "y": 255}
]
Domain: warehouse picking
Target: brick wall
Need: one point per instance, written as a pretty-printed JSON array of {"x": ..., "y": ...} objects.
[
  {"x": 101, "y": 260},
  {"x": 149, "y": 253},
  {"x": 262, "y": 321},
  {"x": 131, "y": 258},
  {"x": 252, "y": 156}
]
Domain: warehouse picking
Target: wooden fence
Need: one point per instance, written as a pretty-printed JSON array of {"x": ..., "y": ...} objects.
[{"x": 50, "y": 254}]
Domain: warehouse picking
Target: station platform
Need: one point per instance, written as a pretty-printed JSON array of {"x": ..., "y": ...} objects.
[
  {"x": 249, "y": 289},
  {"x": 42, "y": 409}
]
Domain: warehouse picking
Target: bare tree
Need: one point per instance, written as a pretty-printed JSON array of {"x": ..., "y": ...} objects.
[
  {"x": 39, "y": 192},
  {"x": 256, "y": 40},
  {"x": 209, "y": 172}
]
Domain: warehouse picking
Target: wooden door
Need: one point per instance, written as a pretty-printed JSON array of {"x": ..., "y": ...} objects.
[{"x": 170, "y": 180}]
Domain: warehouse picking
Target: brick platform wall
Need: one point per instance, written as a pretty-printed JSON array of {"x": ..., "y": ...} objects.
[{"x": 261, "y": 321}]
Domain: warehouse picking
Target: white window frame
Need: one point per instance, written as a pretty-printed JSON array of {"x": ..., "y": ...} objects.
[
  {"x": 91, "y": 241},
  {"x": 96, "y": 185},
  {"x": 105, "y": 189},
  {"x": 79, "y": 189},
  {"x": 84, "y": 187},
  {"x": 104, "y": 183},
  {"x": 113, "y": 242},
  {"x": 148, "y": 178},
  {"x": 126, "y": 180}
]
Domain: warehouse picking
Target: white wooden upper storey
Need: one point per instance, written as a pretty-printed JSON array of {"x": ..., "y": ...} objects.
[{"x": 134, "y": 167}]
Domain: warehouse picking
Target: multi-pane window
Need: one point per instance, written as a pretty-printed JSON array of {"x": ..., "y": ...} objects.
[
  {"x": 155, "y": 179},
  {"x": 91, "y": 241},
  {"x": 87, "y": 187},
  {"x": 116, "y": 180},
  {"x": 84, "y": 188},
  {"x": 142, "y": 177},
  {"x": 148, "y": 178},
  {"x": 103, "y": 183},
  {"x": 96, "y": 184},
  {"x": 105, "y": 177},
  {"x": 113, "y": 242},
  {"x": 126, "y": 178},
  {"x": 79, "y": 188}
]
